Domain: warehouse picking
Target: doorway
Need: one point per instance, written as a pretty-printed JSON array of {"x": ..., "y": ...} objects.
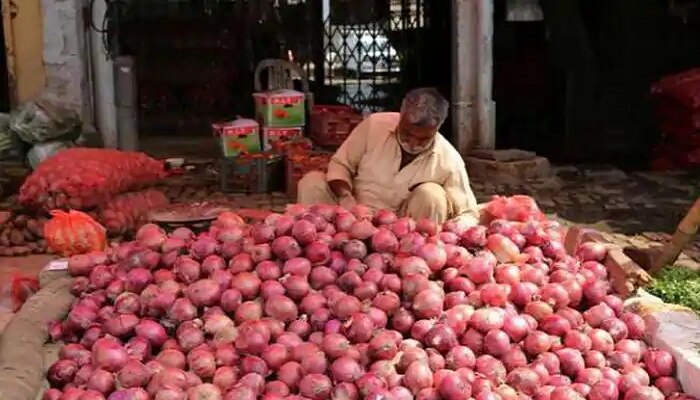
[{"x": 4, "y": 72}]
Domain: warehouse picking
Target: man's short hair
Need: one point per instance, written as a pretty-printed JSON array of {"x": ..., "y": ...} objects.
[{"x": 425, "y": 107}]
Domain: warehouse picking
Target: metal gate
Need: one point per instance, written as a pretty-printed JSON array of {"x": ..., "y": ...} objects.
[
  {"x": 195, "y": 58},
  {"x": 372, "y": 51}
]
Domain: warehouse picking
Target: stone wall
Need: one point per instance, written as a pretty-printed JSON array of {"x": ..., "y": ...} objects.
[{"x": 65, "y": 55}]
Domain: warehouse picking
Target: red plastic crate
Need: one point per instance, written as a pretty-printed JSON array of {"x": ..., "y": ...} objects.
[
  {"x": 331, "y": 125},
  {"x": 299, "y": 164}
]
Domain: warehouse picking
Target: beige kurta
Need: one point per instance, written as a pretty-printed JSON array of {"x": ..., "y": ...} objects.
[{"x": 369, "y": 161}]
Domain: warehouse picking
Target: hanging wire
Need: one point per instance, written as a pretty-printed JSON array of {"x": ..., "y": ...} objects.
[{"x": 109, "y": 26}]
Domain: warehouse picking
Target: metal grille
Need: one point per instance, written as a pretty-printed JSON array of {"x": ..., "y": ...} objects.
[
  {"x": 372, "y": 64},
  {"x": 195, "y": 58}
]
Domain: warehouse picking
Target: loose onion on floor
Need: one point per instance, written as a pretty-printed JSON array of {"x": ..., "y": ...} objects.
[{"x": 323, "y": 303}]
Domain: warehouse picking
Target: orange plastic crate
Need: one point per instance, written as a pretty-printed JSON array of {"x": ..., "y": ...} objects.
[
  {"x": 331, "y": 125},
  {"x": 299, "y": 164}
]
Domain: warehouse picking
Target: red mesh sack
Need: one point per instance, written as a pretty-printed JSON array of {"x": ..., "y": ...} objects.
[
  {"x": 671, "y": 112},
  {"x": 22, "y": 288},
  {"x": 518, "y": 208},
  {"x": 74, "y": 232},
  {"x": 82, "y": 178},
  {"x": 15, "y": 293},
  {"x": 674, "y": 154},
  {"x": 127, "y": 212},
  {"x": 683, "y": 88}
]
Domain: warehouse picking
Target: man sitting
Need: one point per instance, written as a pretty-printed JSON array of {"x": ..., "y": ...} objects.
[{"x": 399, "y": 162}]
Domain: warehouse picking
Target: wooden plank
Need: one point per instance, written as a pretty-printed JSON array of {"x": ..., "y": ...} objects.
[
  {"x": 23, "y": 20},
  {"x": 7, "y": 12}
]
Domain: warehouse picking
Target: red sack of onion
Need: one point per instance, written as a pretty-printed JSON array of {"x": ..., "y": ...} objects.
[
  {"x": 126, "y": 212},
  {"x": 322, "y": 302},
  {"x": 83, "y": 178}
]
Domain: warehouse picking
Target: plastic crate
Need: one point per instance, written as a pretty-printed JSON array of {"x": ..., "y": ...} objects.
[
  {"x": 280, "y": 108},
  {"x": 331, "y": 125},
  {"x": 252, "y": 173},
  {"x": 299, "y": 164},
  {"x": 240, "y": 136}
]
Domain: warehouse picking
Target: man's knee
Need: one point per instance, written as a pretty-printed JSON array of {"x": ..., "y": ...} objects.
[
  {"x": 313, "y": 189},
  {"x": 430, "y": 193},
  {"x": 312, "y": 181}
]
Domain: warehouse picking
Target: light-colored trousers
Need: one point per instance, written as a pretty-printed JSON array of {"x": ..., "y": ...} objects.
[{"x": 427, "y": 200}]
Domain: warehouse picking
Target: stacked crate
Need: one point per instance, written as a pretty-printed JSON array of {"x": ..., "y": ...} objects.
[
  {"x": 281, "y": 114},
  {"x": 331, "y": 125},
  {"x": 245, "y": 167}
]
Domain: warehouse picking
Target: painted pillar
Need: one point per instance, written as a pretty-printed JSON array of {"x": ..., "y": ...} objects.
[
  {"x": 103, "y": 82},
  {"x": 473, "y": 110}
]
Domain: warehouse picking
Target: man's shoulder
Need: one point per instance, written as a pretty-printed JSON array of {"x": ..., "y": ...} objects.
[
  {"x": 389, "y": 119},
  {"x": 380, "y": 125},
  {"x": 446, "y": 151}
]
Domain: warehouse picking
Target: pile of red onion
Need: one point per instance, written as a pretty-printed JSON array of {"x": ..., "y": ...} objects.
[{"x": 322, "y": 303}]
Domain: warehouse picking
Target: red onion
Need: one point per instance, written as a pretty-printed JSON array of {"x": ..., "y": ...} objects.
[
  {"x": 496, "y": 342},
  {"x": 133, "y": 374},
  {"x": 354, "y": 248},
  {"x": 574, "y": 317},
  {"x": 524, "y": 380},
  {"x": 601, "y": 341},
  {"x": 538, "y": 309},
  {"x": 555, "y": 325},
  {"x": 591, "y": 251},
  {"x": 315, "y": 386},
  {"x": 577, "y": 340},
  {"x": 490, "y": 367},
  {"x": 604, "y": 390},
  {"x": 659, "y": 363},
  {"x": 644, "y": 393},
  {"x": 595, "y": 315},
  {"x": 460, "y": 357},
  {"x": 537, "y": 342},
  {"x": 635, "y": 325},
  {"x": 418, "y": 376},
  {"x": 453, "y": 387},
  {"x": 151, "y": 331},
  {"x": 61, "y": 373},
  {"x": 571, "y": 361},
  {"x": 668, "y": 385},
  {"x": 108, "y": 354}
]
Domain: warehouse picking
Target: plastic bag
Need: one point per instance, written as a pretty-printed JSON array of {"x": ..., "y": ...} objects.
[
  {"x": 10, "y": 145},
  {"x": 15, "y": 293},
  {"x": 675, "y": 329},
  {"x": 74, "y": 232},
  {"x": 518, "y": 208},
  {"x": 43, "y": 151},
  {"x": 45, "y": 119}
]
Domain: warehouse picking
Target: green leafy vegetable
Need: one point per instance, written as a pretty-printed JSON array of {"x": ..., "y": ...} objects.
[{"x": 678, "y": 285}]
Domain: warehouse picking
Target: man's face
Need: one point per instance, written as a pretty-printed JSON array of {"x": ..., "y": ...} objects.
[{"x": 415, "y": 139}]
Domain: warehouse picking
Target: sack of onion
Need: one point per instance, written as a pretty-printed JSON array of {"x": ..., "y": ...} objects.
[{"x": 321, "y": 302}]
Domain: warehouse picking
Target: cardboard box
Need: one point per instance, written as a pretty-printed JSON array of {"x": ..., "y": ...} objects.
[
  {"x": 273, "y": 137},
  {"x": 241, "y": 136},
  {"x": 280, "y": 108}
]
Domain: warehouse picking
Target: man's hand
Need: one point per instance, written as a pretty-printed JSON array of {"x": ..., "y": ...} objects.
[
  {"x": 347, "y": 201},
  {"x": 344, "y": 193}
]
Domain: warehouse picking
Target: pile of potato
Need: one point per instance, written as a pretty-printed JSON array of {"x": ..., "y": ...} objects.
[{"x": 21, "y": 235}]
